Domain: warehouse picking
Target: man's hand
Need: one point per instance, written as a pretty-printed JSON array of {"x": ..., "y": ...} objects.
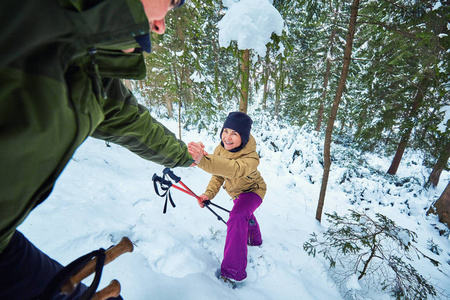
[{"x": 197, "y": 150}]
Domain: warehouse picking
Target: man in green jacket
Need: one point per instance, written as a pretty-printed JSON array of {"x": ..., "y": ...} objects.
[{"x": 61, "y": 62}]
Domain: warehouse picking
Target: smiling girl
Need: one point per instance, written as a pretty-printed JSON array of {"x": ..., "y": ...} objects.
[{"x": 234, "y": 165}]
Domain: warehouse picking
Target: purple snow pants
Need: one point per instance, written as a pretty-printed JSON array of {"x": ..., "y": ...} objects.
[{"x": 242, "y": 230}]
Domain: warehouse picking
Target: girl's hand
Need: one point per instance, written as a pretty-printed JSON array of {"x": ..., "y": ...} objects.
[
  {"x": 202, "y": 198},
  {"x": 196, "y": 150}
]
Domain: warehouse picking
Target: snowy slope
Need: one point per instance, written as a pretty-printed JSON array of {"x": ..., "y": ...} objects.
[{"x": 106, "y": 193}]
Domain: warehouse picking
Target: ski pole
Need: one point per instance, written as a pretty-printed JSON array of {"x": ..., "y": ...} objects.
[
  {"x": 188, "y": 190},
  {"x": 177, "y": 179},
  {"x": 165, "y": 185},
  {"x": 208, "y": 202},
  {"x": 125, "y": 245},
  {"x": 112, "y": 290},
  {"x": 218, "y": 217}
]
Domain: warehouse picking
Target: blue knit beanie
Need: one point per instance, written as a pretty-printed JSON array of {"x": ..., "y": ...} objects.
[{"x": 241, "y": 123}]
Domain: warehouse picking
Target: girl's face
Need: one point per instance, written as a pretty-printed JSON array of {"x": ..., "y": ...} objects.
[{"x": 231, "y": 139}]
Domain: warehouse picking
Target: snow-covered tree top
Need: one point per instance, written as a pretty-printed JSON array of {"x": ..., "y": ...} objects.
[{"x": 250, "y": 23}]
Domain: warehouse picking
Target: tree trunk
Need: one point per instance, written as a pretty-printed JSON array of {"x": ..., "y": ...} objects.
[
  {"x": 441, "y": 163},
  {"x": 326, "y": 79},
  {"x": 245, "y": 80},
  {"x": 179, "y": 120},
  {"x": 144, "y": 92},
  {"x": 266, "y": 73},
  {"x": 141, "y": 89},
  {"x": 334, "y": 109},
  {"x": 169, "y": 105},
  {"x": 362, "y": 116},
  {"x": 178, "y": 82},
  {"x": 320, "y": 116},
  {"x": 279, "y": 88},
  {"x": 190, "y": 92},
  {"x": 217, "y": 75},
  {"x": 399, "y": 154},
  {"x": 442, "y": 206},
  {"x": 127, "y": 83},
  {"x": 418, "y": 100}
]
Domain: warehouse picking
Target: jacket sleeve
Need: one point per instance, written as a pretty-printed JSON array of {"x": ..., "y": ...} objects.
[
  {"x": 229, "y": 168},
  {"x": 130, "y": 125},
  {"x": 214, "y": 186}
]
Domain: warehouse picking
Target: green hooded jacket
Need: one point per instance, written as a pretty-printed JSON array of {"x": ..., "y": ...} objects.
[{"x": 60, "y": 69}]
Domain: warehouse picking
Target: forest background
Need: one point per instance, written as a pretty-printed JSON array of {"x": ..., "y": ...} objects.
[
  {"x": 376, "y": 73},
  {"x": 395, "y": 94}
]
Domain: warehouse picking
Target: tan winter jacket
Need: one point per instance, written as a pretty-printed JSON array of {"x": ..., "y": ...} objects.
[{"x": 237, "y": 169}]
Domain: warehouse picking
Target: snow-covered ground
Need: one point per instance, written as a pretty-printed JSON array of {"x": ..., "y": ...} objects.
[{"x": 106, "y": 193}]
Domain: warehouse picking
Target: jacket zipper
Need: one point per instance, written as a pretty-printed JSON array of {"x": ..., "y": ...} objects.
[{"x": 97, "y": 85}]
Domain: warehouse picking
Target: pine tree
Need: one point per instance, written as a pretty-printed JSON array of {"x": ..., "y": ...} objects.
[{"x": 337, "y": 99}]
